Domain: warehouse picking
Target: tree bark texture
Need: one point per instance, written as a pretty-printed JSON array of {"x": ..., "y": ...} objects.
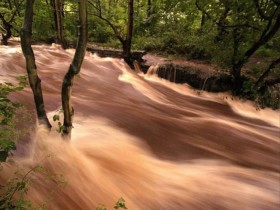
[
  {"x": 34, "y": 80},
  {"x": 73, "y": 70}
]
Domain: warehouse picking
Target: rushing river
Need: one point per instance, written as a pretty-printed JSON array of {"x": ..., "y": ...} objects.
[{"x": 157, "y": 144}]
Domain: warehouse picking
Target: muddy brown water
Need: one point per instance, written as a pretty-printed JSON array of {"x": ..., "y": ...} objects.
[{"x": 157, "y": 144}]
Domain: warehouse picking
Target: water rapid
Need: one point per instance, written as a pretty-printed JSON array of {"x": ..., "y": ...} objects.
[{"x": 157, "y": 144}]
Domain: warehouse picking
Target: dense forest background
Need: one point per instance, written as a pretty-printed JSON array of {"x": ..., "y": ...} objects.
[{"x": 225, "y": 33}]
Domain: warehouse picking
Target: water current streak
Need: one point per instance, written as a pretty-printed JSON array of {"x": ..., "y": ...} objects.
[{"x": 157, "y": 144}]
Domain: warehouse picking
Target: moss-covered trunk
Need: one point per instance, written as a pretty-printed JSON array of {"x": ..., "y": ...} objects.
[
  {"x": 73, "y": 70},
  {"x": 34, "y": 80}
]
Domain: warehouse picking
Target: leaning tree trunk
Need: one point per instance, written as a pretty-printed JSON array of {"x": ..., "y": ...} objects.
[
  {"x": 34, "y": 80},
  {"x": 73, "y": 70}
]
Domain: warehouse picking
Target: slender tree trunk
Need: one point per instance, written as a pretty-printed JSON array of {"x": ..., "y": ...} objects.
[
  {"x": 34, "y": 80},
  {"x": 202, "y": 21},
  {"x": 221, "y": 24},
  {"x": 59, "y": 16},
  {"x": 57, "y": 6},
  {"x": 73, "y": 70},
  {"x": 236, "y": 65},
  {"x": 8, "y": 28},
  {"x": 128, "y": 40},
  {"x": 7, "y": 36},
  {"x": 149, "y": 8},
  {"x": 52, "y": 3}
]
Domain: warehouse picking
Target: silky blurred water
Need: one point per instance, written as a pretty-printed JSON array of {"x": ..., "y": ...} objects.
[{"x": 157, "y": 144}]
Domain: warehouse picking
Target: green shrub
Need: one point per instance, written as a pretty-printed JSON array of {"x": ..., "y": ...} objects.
[
  {"x": 263, "y": 96},
  {"x": 7, "y": 117},
  {"x": 15, "y": 190}
]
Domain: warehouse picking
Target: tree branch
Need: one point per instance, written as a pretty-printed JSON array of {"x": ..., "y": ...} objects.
[
  {"x": 267, "y": 71},
  {"x": 99, "y": 15},
  {"x": 261, "y": 12},
  {"x": 221, "y": 22},
  {"x": 267, "y": 34}
]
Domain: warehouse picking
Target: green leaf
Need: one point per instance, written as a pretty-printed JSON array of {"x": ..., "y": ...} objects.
[
  {"x": 7, "y": 145},
  {"x": 4, "y": 100},
  {"x": 21, "y": 185},
  {"x": 5, "y": 134},
  {"x": 9, "y": 84},
  {"x": 3, "y": 156},
  {"x": 55, "y": 117},
  {"x": 120, "y": 204},
  {"x": 18, "y": 88},
  {"x": 101, "y": 207},
  {"x": 60, "y": 129}
]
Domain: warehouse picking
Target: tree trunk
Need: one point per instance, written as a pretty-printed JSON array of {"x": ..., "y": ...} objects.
[
  {"x": 221, "y": 24},
  {"x": 58, "y": 15},
  {"x": 202, "y": 21},
  {"x": 34, "y": 80},
  {"x": 73, "y": 70},
  {"x": 52, "y": 3},
  {"x": 7, "y": 36},
  {"x": 8, "y": 28},
  {"x": 237, "y": 79},
  {"x": 149, "y": 8},
  {"x": 128, "y": 40}
]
